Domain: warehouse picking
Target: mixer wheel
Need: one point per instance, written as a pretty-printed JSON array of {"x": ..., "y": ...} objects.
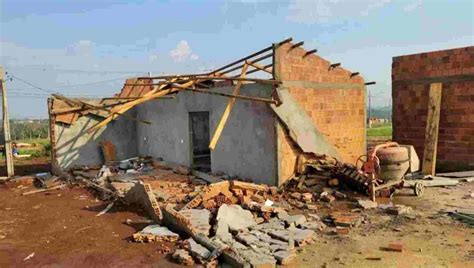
[{"x": 419, "y": 189}]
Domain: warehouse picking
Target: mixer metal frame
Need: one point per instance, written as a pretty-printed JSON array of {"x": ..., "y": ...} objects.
[{"x": 371, "y": 168}]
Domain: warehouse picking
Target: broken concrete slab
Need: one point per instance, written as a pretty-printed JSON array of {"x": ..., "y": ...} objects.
[
  {"x": 296, "y": 220},
  {"x": 155, "y": 233},
  {"x": 198, "y": 219},
  {"x": 257, "y": 259},
  {"x": 299, "y": 236},
  {"x": 122, "y": 187},
  {"x": 197, "y": 250},
  {"x": 181, "y": 256},
  {"x": 301, "y": 127},
  {"x": 235, "y": 217},
  {"x": 284, "y": 257}
]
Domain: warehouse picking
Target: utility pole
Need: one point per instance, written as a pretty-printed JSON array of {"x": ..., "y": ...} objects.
[
  {"x": 6, "y": 127},
  {"x": 369, "y": 124}
]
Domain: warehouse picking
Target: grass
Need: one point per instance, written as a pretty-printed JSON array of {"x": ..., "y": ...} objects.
[
  {"x": 383, "y": 130},
  {"x": 40, "y": 148}
]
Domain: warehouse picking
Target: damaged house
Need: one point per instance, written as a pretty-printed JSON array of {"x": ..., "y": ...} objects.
[{"x": 251, "y": 119}]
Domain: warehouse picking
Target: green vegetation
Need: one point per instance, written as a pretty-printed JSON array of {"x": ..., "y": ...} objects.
[
  {"x": 29, "y": 129},
  {"x": 38, "y": 148},
  {"x": 382, "y": 130}
]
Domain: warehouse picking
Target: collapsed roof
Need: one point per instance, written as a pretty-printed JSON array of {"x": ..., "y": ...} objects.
[{"x": 142, "y": 89}]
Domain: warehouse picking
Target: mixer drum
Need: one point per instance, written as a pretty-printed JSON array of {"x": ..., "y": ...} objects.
[{"x": 394, "y": 163}]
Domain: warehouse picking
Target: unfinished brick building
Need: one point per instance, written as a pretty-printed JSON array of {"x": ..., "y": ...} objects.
[
  {"x": 411, "y": 78},
  {"x": 306, "y": 105}
]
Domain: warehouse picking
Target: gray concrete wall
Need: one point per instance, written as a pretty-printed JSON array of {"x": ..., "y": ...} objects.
[
  {"x": 246, "y": 148},
  {"x": 74, "y": 146}
]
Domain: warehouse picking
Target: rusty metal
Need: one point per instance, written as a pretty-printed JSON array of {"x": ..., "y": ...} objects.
[{"x": 380, "y": 174}]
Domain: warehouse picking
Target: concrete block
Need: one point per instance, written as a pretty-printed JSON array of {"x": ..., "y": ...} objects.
[
  {"x": 197, "y": 250},
  {"x": 235, "y": 217}
]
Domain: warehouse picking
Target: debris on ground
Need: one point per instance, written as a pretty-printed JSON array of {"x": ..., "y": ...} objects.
[
  {"x": 208, "y": 219},
  {"x": 155, "y": 233},
  {"x": 367, "y": 204}
]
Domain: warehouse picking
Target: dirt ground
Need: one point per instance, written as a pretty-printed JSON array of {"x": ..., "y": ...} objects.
[
  {"x": 429, "y": 238},
  {"x": 27, "y": 166},
  {"x": 62, "y": 230}
]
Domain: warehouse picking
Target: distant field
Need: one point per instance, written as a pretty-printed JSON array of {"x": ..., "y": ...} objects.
[
  {"x": 384, "y": 130},
  {"x": 38, "y": 148}
]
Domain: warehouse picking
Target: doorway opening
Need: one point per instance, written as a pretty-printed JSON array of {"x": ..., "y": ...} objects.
[{"x": 200, "y": 137}]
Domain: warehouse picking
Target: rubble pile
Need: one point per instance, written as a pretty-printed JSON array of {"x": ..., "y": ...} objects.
[
  {"x": 228, "y": 220},
  {"x": 237, "y": 222}
]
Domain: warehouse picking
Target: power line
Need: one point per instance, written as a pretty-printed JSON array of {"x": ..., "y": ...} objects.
[
  {"x": 52, "y": 69},
  {"x": 31, "y": 84},
  {"x": 94, "y": 83}
]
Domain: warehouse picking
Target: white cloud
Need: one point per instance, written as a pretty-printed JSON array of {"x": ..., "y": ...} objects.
[
  {"x": 321, "y": 11},
  {"x": 183, "y": 52},
  {"x": 413, "y": 5}
]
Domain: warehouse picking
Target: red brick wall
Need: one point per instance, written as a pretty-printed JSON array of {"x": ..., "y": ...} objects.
[
  {"x": 411, "y": 77},
  {"x": 334, "y": 100}
]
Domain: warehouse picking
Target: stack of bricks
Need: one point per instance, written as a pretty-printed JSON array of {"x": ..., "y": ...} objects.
[
  {"x": 411, "y": 78},
  {"x": 331, "y": 96}
]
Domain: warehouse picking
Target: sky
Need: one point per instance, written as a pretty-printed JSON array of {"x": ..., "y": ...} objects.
[{"x": 88, "y": 47}]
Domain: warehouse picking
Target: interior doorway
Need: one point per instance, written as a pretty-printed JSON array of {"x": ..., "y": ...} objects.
[{"x": 200, "y": 137}]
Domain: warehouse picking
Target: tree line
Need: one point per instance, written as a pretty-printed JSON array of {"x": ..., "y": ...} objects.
[{"x": 28, "y": 129}]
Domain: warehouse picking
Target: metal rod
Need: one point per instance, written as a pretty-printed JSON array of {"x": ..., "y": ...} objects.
[
  {"x": 312, "y": 51},
  {"x": 256, "y": 60},
  {"x": 251, "y": 56},
  {"x": 297, "y": 45}
]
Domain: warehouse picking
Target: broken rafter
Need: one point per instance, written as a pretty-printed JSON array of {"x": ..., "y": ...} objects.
[
  {"x": 249, "y": 56},
  {"x": 257, "y": 80},
  {"x": 228, "y": 109},
  {"x": 233, "y": 96},
  {"x": 258, "y": 66},
  {"x": 264, "y": 57},
  {"x": 256, "y": 70},
  {"x": 156, "y": 92},
  {"x": 132, "y": 98},
  {"x": 168, "y": 77},
  {"x": 95, "y": 107}
]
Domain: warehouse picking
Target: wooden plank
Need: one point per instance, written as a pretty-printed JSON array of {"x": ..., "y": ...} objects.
[
  {"x": 228, "y": 109},
  {"x": 6, "y": 127},
  {"x": 119, "y": 110},
  {"x": 257, "y": 80},
  {"x": 233, "y": 96},
  {"x": 259, "y": 67},
  {"x": 45, "y": 190},
  {"x": 69, "y": 118},
  {"x": 432, "y": 126}
]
